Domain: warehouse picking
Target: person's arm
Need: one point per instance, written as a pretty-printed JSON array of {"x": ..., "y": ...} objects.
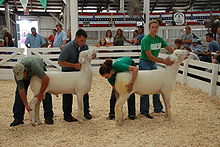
[
  {"x": 134, "y": 72},
  {"x": 43, "y": 42},
  {"x": 27, "y": 41},
  {"x": 23, "y": 97},
  {"x": 155, "y": 59},
  {"x": 44, "y": 84},
  {"x": 6, "y": 41},
  {"x": 128, "y": 41},
  {"x": 170, "y": 49},
  {"x": 68, "y": 64}
]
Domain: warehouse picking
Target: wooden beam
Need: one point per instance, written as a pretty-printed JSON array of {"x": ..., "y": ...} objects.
[{"x": 172, "y": 5}]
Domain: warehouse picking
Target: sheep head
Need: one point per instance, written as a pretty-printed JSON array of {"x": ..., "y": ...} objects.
[
  {"x": 86, "y": 55},
  {"x": 178, "y": 56}
]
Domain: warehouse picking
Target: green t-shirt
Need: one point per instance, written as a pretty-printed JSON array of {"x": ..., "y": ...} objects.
[
  {"x": 120, "y": 65},
  {"x": 151, "y": 44},
  {"x": 34, "y": 66}
]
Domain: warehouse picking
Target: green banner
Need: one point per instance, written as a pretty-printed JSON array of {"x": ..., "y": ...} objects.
[
  {"x": 1, "y": 1},
  {"x": 43, "y": 3}
]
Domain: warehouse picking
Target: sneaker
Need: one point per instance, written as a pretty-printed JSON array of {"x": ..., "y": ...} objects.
[
  {"x": 132, "y": 117},
  {"x": 110, "y": 117},
  {"x": 160, "y": 112},
  {"x": 16, "y": 122},
  {"x": 88, "y": 116},
  {"x": 70, "y": 119},
  {"x": 49, "y": 121},
  {"x": 148, "y": 116}
]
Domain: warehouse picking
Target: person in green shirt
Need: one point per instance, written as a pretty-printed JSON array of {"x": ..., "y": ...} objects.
[
  {"x": 150, "y": 49},
  {"x": 23, "y": 72},
  {"x": 109, "y": 70}
]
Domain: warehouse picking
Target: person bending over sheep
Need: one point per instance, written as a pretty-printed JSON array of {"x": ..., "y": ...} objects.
[
  {"x": 150, "y": 49},
  {"x": 23, "y": 72},
  {"x": 109, "y": 70}
]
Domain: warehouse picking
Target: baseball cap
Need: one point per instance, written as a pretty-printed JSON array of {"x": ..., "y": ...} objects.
[
  {"x": 18, "y": 70},
  {"x": 195, "y": 40}
]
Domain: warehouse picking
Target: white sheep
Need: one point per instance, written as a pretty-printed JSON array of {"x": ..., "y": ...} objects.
[
  {"x": 160, "y": 81},
  {"x": 78, "y": 83}
]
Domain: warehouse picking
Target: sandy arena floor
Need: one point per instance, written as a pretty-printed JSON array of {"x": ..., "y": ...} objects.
[{"x": 196, "y": 122}]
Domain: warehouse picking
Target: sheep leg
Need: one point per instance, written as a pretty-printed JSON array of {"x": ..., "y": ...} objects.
[
  {"x": 37, "y": 116},
  {"x": 166, "y": 99},
  {"x": 80, "y": 116},
  {"x": 33, "y": 105},
  {"x": 118, "y": 108}
]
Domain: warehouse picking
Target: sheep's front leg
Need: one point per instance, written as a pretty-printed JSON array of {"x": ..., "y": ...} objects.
[
  {"x": 33, "y": 105},
  {"x": 166, "y": 99},
  {"x": 37, "y": 116},
  {"x": 118, "y": 108},
  {"x": 80, "y": 116}
]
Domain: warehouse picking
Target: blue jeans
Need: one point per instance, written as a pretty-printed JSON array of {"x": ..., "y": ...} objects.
[{"x": 144, "y": 100}]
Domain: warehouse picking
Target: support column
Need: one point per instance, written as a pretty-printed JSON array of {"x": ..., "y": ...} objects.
[
  {"x": 122, "y": 6},
  {"x": 68, "y": 14},
  {"x": 7, "y": 16},
  {"x": 147, "y": 15},
  {"x": 74, "y": 17}
]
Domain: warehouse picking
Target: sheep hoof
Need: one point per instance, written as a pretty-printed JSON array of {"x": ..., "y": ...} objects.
[
  {"x": 39, "y": 123},
  {"x": 33, "y": 124},
  {"x": 119, "y": 122}
]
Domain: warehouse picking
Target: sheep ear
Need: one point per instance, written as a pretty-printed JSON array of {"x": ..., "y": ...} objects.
[{"x": 82, "y": 57}]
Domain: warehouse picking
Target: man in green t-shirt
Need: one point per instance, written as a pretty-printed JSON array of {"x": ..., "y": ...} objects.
[
  {"x": 150, "y": 49},
  {"x": 23, "y": 72}
]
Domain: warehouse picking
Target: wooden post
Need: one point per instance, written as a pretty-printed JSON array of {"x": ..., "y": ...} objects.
[
  {"x": 7, "y": 16},
  {"x": 74, "y": 18},
  {"x": 213, "y": 84},
  {"x": 122, "y": 6},
  {"x": 67, "y": 14},
  {"x": 147, "y": 15},
  {"x": 185, "y": 71}
]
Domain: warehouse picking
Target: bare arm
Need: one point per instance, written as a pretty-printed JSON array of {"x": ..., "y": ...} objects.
[
  {"x": 23, "y": 97},
  {"x": 134, "y": 72},
  {"x": 6, "y": 41},
  {"x": 44, "y": 84},
  {"x": 68, "y": 64},
  {"x": 170, "y": 49},
  {"x": 155, "y": 59}
]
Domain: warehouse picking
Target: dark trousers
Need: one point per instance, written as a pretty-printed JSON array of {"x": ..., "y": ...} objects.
[
  {"x": 19, "y": 108},
  {"x": 130, "y": 101},
  {"x": 68, "y": 102}
]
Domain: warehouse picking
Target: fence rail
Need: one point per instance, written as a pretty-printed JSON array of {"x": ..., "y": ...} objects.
[{"x": 196, "y": 74}]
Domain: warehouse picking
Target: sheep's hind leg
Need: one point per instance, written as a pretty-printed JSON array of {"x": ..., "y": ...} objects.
[
  {"x": 37, "y": 116},
  {"x": 166, "y": 99},
  {"x": 80, "y": 116},
  {"x": 118, "y": 108},
  {"x": 33, "y": 105}
]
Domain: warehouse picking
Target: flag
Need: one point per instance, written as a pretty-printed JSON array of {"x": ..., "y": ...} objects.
[
  {"x": 24, "y": 4},
  {"x": 43, "y": 3}
]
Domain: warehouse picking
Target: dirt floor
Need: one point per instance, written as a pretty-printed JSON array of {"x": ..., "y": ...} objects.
[{"x": 196, "y": 122}]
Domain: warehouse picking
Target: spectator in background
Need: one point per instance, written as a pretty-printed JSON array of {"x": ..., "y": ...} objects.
[
  {"x": 213, "y": 47},
  {"x": 187, "y": 37},
  {"x": 103, "y": 42},
  {"x": 2, "y": 43},
  {"x": 218, "y": 33},
  {"x": 134, "y": 39},
  {"x": 51, "y": 37},
  {"x": 140, "y": 34},
  {"x": 68, "y": 34},
  {"x": 60, "y": 37},
  {"x": 120, "y": 38},
  {"x": 195, "y": 47},
  {"x": 34, "y": 40},
  {"x": 108, "y": 37},
  {"x": 7, "y": 38},
  {"x": 191, "y": 55},
  {"x": 178, "y": 44}
]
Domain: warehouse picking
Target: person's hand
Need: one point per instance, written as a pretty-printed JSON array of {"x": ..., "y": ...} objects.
[
  {"x": 116, "y": 94},
  {"x": 28, "y": 108},
  {"x": 39, "y": 96},
  {"x": 168, "y": 62},
  {"x": 130, "y": 87},
  {"x": 77, "y": 66}
]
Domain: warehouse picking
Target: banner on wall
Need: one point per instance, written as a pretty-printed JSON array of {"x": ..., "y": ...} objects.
[
  {"x": 179, "y": 18},
  {"x": 43, "y": 3},
  {"x": 24, "y": 4}
]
